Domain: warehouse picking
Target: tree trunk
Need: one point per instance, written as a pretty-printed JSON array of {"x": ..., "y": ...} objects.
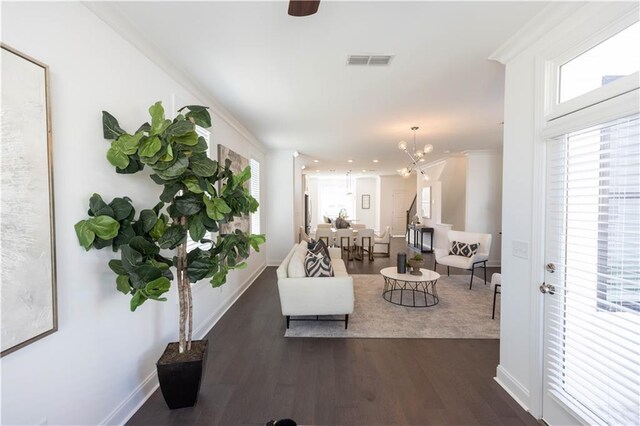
[{"x": 181, "y": 269}]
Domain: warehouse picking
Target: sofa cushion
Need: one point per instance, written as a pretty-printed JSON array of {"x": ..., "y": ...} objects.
[
  {"x": 319, "y": 247},
  {"x": 317, "y": 265},
  {"x": 461, "y": 262},
  {"x": 295, "y": 269},
  {"x": 463, "y": 249}
]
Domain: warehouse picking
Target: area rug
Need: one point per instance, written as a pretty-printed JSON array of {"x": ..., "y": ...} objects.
[{"x": 461, "y": 313}]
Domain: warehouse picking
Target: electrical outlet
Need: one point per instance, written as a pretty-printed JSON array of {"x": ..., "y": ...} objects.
[{"x": 520, "y": 249}]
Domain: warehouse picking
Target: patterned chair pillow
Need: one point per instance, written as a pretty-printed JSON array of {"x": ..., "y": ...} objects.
[
  {"x": 319, "y": 247},
  {"x": 316, "y": 265},
  {"x": 463, "y": 249}
]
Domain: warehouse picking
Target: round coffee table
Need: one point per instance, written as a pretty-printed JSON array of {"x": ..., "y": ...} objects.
[{"x": 423, "y": 286}]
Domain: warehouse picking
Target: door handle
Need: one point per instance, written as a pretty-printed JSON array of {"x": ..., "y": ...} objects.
[{"x": 547, "y": 288}]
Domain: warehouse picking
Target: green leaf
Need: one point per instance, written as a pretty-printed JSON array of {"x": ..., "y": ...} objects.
[
  {"x": 116, "y": 266},
  {"x": 241, "y": 265},
  {"x": 216, "y": 207},
  {"x": 219, "y": 278},
  {"x": 189, "y": 139},
  {"x": 85, "y": 235},
  {"x": 125, "y": 234},
  {"x": 173, "y": 236},
  {"x": 104, "y": 227},
  {"x": 110, "y": 127},
  {"x": 175, "y": 170},
  {"x": 199, "y": 114},
  {"x": 133, "y": 167},
  {"x": 201, "y": 146},
  {"x": 193, "y": 184},
  {"x": 137, "y": 300},
  {"x": 168, "y": 156},
  {"x": 158, "y": 123},
  {"x": 203, "y": 165},
  {"x": 180, "y": 128},
  {"x": 150, "y": 147},
  {"x": 148, "y": 218},
  {"x": 188, "y": 204},
  {"x": 99, "y": 243},
  {"x": 198, "y": 264},
  {"x": 158, "y": 287},
  {"x": 142, "y": 245},
  {"x": 130, "y": 143},
  {"x": 117, "y": 157},
  {"x": 143, "y": 274},
  {"x": 98, "y": 207},
  {"x": 158, "y": 229},
  {"x": 131, "y": 258},
  {"x": 196, "y": 228},
  {"x": 244, "y": 175},
  {"x": 122, "y": 284},
  {"x": 146, "y": 127},
  {"x": 169, "y": 192},
  {"x": 121, "y": 208}
]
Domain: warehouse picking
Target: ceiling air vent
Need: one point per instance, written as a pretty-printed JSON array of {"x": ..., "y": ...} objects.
[{"x": 369, "y": 59}]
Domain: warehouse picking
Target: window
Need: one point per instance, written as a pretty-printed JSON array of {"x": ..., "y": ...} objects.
[
  {"x": 190, "y": 243},
  {"x": 255, "y": 193},
  {"x": 333, "y": 196},
  {"x": 613, "y": 58}
]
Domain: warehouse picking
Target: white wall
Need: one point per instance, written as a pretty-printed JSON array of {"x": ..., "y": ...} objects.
[
  {"x": 366, "y": 185},
  {"x": 298, "y": 197},
  {"x": 388, "y": 185},
  {"x": 101, "y": 363},
  {"x": 484, "y": 198},
  {"x": 280, "y": 212}
]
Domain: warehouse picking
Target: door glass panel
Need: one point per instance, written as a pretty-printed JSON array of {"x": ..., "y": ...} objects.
[
  {"x": 593, "y": 238},
  {"x": 613, "y": 58}
]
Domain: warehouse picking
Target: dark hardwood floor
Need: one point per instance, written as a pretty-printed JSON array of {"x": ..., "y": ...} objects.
[{"x": 254, "y": 374}]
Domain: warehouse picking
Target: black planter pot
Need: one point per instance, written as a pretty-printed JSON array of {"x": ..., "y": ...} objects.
[{"x": 180, "y": 375}]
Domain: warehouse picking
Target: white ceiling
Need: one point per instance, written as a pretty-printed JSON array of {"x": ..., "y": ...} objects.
[{"x": 287, "y": 81}]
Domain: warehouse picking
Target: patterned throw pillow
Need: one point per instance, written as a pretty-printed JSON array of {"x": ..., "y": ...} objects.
[
  {"x": 317, "y": 265},
  {"x": 463, "y": 249},
  {"x": 319, "y": 247}
]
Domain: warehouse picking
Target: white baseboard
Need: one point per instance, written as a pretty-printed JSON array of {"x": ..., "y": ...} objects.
[
  {"x": 274, "y": 262},
  {"x": 494, "y": 264},
  {"x": 513, "y": 387},
  {"x": 132, "y": 403}
]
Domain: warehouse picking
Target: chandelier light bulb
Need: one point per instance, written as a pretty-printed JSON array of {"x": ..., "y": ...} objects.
[
  {"x": 419, "y": 154},
  {"x": 402, "y": 145},
  {"x": 428, "y": 148}
]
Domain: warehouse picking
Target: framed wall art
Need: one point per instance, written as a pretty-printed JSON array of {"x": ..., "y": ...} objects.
[
  {"x": 366, "y": 201},
  {"x": 238, "y": 164},
  {"x": 27, "y": 255}
]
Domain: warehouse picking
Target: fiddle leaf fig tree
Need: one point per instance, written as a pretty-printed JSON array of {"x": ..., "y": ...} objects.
[{"x": 189, "y": 204}]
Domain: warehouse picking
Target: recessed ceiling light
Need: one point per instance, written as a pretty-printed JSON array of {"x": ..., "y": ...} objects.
[
  {"x": 316, "y": 161},
  {"x": 446, "y": 151},
  {"x": 317, "y": 171},
  {"x": 349, "y": 161},
  {"x": 375, "y": 161},
  {"x": 364, "y": 171}
]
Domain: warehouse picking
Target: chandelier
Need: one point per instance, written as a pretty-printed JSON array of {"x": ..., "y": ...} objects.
[{"x": 416, "y": 156}]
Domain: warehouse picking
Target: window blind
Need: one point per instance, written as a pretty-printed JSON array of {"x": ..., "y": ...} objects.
[
  {"x": 255, "y": 193},
  {"x": 593, "y": 238}
]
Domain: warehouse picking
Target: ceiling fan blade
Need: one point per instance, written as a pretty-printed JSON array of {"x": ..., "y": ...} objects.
[{"x": 303, "y": 7}]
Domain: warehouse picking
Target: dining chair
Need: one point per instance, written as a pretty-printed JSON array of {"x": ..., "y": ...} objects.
[
  {"x": 344, "y": 240},
  {"x": 364, "y": 242},
  {"x": 325, "y": 234}
]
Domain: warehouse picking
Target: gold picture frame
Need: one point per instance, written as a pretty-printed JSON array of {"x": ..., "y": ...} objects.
[{"x": 28, "y": 266}]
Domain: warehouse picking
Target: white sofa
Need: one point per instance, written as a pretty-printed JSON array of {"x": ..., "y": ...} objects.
[
  {"x": 303, "y": 296},
  {"x": 442, "y": 256}
]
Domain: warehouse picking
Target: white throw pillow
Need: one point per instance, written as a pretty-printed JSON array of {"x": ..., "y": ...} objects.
[{"x": 295, "y": 269}]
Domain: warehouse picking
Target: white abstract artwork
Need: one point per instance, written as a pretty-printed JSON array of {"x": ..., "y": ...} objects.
[{"x": 27, "y": 256}]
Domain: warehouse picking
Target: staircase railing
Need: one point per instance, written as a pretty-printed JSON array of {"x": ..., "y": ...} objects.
[{"x": 412, "y": 210}]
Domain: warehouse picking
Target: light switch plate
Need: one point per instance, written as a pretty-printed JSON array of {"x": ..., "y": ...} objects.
[{"x": 520, "y": 249}]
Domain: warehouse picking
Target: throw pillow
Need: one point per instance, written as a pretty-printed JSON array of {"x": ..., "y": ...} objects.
[
  {"x": 319, "y": 247},
  {"x": 295, "y": 269},
  {"x": 463, "y": 249},
  {"x": 317, "y": 265}
]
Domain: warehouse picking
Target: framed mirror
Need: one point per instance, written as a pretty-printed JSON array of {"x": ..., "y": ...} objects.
[{"x": 27, "y": 257}]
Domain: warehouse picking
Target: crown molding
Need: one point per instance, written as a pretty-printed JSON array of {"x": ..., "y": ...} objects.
[
  {"x": 546, "y": 20},
  {"x": 108, "y": 13}
]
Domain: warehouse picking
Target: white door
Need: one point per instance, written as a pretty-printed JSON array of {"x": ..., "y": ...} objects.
[
  {"x": 400, "y": 205},
  {"x": 592, "y": 278}
]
